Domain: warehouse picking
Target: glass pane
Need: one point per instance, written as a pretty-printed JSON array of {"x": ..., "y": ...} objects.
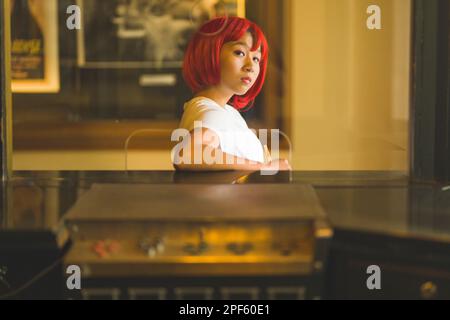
[{"x": 108, "y": 96}]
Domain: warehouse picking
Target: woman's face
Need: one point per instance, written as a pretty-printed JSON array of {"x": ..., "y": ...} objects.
[{"x": 239, "y": 67}]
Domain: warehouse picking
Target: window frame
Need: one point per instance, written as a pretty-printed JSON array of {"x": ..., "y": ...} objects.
[{"x": 430, "y": 116}]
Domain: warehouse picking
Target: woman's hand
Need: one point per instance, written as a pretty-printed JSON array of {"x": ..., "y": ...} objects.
[{"x": 278, "y": 164}]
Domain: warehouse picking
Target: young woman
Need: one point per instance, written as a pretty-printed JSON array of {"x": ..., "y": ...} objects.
[{"x": 225, "y": 66}]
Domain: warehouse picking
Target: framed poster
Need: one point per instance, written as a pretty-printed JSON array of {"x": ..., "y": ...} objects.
[
  {"x": 143, "y": 33},
  {"x": 34, "y": 46}
]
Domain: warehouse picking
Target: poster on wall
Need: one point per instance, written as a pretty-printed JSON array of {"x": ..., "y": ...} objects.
[
  {"x": 34, "y": 46},
  {"x": 143, "y": 33}
]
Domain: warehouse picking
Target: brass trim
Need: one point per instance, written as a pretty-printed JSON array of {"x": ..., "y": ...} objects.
[
  {"x": 241, "y": 8},
  {"x": 6, "y": 89},
  {"x": 324, "y": 233}
]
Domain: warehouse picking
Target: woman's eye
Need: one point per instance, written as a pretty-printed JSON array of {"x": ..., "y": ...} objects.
[
  {"x": 256, "y": 59},
  {"x": 240, "y": 53}
]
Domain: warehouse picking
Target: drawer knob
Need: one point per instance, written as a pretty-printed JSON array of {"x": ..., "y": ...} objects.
[{"x": 428, "y": 290}]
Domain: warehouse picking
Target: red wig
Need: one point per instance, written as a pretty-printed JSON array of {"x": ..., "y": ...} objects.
[{"x": 201, "y": 66}]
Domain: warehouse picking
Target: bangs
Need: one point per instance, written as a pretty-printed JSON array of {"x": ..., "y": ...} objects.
[
  {"x": 257, "y": 39},
  {"x": 236, "y": 29}
]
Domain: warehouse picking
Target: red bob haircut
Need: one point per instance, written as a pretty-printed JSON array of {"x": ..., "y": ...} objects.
[{"x": 201, "y": 66}]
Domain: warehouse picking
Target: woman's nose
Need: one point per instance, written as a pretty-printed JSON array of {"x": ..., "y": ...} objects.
[{"x": 248, "y": 67}]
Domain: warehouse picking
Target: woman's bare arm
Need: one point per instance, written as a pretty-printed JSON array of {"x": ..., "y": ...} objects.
[
  {"x": 217, "y": 159},
  {"x": 210, "y": 157},
  {"x": 229, "y": 162}
]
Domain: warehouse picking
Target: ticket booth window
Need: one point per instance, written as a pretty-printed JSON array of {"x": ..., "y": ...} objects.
[{"x": 338, "y": 81}]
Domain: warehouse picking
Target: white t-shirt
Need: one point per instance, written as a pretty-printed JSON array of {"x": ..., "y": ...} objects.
[{"x": 234, "y": 135}]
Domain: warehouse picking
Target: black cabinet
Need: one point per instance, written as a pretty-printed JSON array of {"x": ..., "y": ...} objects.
[{"x": 409, "y": 268}]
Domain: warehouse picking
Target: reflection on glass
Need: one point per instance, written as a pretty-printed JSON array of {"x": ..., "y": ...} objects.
[
  {"x": 34, "y": 46},
  {"x": 337, "y": 89},
  {"x": 27, "y": 41}
]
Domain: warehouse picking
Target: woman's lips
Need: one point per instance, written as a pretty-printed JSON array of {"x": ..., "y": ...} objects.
[{"x": 246, "y": 80}]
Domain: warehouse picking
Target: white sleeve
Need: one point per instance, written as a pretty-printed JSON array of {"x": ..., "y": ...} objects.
[
  {"x": 215, "y": 121},
  {"x": 232, "y": 140},
  {"x": 211, "y": 119}
]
